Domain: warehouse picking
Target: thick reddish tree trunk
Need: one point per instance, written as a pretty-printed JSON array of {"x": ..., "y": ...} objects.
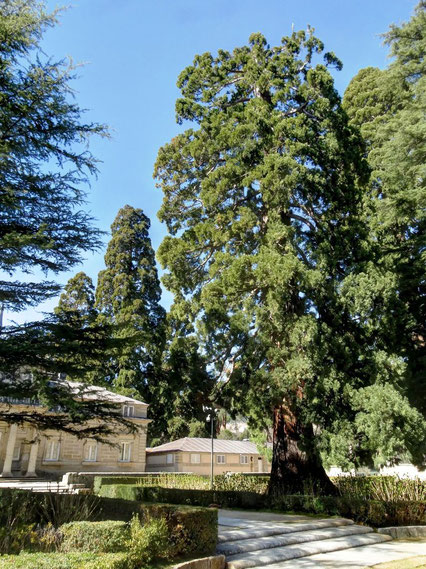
[{"x": 296, "y": 464}]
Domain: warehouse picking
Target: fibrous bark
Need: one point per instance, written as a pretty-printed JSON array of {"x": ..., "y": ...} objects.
[{"x": 296, "y": 464}]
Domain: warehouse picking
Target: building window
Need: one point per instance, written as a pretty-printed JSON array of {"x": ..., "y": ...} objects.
[
  {"x": 125, "y": 452},
  {"x": 195, "y": 458},
  {"x": 90, "y": 452},
  {"x": 52, "y": 450},
  {"x": 128, "y": 411},
  {"x": 221, "y": 459},
  {"x": 243, "y": 459},
  {"x": 17, "y": 452},
  {"x": 170, "y": 458}
]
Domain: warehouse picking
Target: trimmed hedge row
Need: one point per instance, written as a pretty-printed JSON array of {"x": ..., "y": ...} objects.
[
  {"x": 191, "y": 530},
  {"x": 377, "y": 513},
  {"x": 383, "y": 488},
  {"x": 248, "y": 482},
  {"x": 98, "y": 537},
  {"x": 387, "y": 488},
  {"x": 205, "y": 498},
  {"x": 64, "y": 561},
  {"x": 166, "y": 480}
]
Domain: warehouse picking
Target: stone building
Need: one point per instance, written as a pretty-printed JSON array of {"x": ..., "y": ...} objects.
[
  {"x": 27, "y": 452},
  {"x": 194, "y": 455}
]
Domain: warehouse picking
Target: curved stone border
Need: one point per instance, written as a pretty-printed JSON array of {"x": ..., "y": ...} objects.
[
  {"x": 404, "y": 531},
  {"x": 213, "y": 562}
]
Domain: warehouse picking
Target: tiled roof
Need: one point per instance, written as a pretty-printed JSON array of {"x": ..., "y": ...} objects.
[
  {"x": 188, "y": 444},
  {"x": 93, "y": 392}
]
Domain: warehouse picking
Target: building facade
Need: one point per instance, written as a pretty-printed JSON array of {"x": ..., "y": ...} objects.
[
  {"x": 27, "y": 452},
  {"x": 194, "y": 455}
]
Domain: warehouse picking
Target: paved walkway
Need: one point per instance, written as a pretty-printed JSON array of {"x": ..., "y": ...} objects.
[{"x": 281, "y": 541}]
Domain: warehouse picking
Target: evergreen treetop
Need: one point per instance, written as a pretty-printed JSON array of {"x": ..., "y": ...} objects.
[{"x": 265, "y": 200}]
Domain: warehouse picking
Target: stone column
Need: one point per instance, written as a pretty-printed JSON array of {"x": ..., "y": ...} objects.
[
  {"x": 32, "y": 461},
  {"x": 10, "y": 447}
]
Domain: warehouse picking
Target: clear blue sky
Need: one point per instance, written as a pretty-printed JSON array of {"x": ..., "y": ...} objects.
[{"x": 135, "y": 49}]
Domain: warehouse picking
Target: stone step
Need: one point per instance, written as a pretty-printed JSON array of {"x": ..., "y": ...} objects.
[
  {"x": 277, "y": 554},
  {"x": 262, "y": 543},
  {"x": 52, "y": 490},
  {"x": 268, "y": 529}
]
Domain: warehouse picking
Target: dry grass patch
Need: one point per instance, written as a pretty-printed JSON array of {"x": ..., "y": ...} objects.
[{"x": 418, "y": 562}]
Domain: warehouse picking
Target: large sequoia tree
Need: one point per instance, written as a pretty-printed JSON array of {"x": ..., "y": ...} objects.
[{"x": 264, "y": 203}]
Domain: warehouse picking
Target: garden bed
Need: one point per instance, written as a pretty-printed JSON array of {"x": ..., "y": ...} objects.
[{"x": 63, "y": 531}]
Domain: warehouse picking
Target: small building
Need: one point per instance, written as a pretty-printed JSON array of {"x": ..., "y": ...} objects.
[
  {"x": 26, "y": 451},
  {"x": 194, "y": 455}
]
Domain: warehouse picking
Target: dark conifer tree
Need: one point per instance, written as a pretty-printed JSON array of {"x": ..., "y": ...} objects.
[
  {"x": 44, "y": 166},
  {"x": 389, "y": 107},
  {"x": 78, "y": 299},
  {"x": 128, "y": 296}
]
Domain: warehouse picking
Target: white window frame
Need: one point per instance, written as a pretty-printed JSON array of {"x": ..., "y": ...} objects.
[
  {"x": 244, "y": 459},
  {"x": 17, "y": 452},
  {"x": 195, "y": 458},
  {"x": 170, "y": 458},
  {"x": 221, "y": 459},
  {"x": 90, "y": 456},
  {"x": 125, "y": 451},
  {"x": 52, "y": 450},
  {"x": 128, "y": 410}
]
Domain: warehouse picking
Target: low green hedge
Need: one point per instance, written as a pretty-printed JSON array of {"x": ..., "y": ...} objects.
[
  {"x": 192, "y": 530},
  {"x": 97, "y": 537},
  {"x": 224, "y": 482},
  {"x": 166, "y": 480},
  {"x": 373, "y": 487},
  {"x": 205, "y": 498},
  {"x": 64, "y": 561},
  {"x": 383, "y": 488},
  {"x": 377, "y": 513},
  {"x": 25, "y": 516}
]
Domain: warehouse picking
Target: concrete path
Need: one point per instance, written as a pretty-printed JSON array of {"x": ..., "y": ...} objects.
[{"x": 280, "y": 541}]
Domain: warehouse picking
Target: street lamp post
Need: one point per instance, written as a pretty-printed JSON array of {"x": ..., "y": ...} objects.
[
  {"x": 212, "y": 453},
  {"x": 210, "y": 417}
]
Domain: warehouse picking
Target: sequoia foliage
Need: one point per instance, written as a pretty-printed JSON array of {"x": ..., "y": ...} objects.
[{"x": 265, "y": 203}]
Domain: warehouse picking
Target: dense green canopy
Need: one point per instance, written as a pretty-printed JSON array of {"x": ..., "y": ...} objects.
[
  {"x": 44, "y": 166},
  {"x": 44, "y": 161},
  {"x": 265, "y": 203},
  {"x": 389, "y": 107},
  {"x": 128, "y": 296},
  {"x": 78, "y": 299}
]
